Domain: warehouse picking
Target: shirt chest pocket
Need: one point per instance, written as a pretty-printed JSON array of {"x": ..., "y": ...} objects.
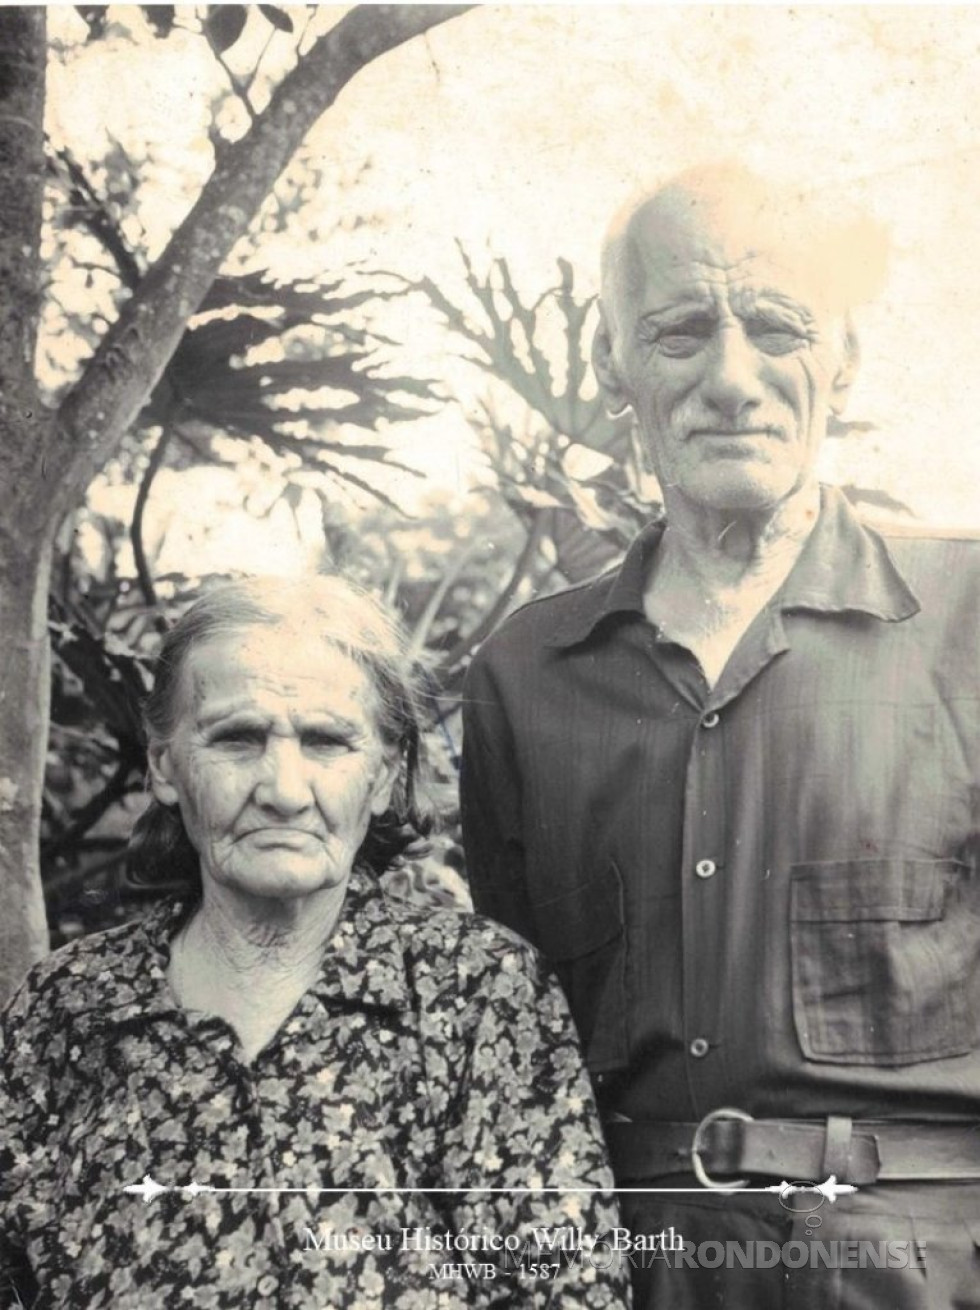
[{"x": 885, "y": 960}]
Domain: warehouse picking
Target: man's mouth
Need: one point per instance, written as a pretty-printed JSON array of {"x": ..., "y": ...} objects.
[{"x": 734, "y": 434}]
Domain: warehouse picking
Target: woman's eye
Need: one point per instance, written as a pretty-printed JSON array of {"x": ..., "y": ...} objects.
[
  {"x": 324, "y": 741},
  {"x": 240, "y": 737}
]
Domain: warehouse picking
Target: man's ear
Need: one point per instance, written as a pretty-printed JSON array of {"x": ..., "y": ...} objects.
[
  {"x": 607, "y": 370},
  {"x": 161, "y": 773},
  {"x": 847, "y": 367}
]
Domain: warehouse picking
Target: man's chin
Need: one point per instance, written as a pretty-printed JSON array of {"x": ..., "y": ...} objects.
[{"x": 745, "y": 489}]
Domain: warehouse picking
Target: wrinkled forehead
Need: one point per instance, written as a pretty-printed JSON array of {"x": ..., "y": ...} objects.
[
  {"x": 756, "y": 239},
  {"x": 678, "y": 249},
  {"x": 287, "y": 658}
]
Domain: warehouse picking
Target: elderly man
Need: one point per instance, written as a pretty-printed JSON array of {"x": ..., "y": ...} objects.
[{"x": 732, "y": 790}]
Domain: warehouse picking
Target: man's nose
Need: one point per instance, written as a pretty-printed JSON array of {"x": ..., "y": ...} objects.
[
  {"x": 283, "y": 785},
  {"x": 731, "y": 382}
]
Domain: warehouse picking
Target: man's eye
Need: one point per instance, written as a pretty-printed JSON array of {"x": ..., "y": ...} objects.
[
  {"x": 679, "y": 345},
  {"x": 775, "y": 338}
]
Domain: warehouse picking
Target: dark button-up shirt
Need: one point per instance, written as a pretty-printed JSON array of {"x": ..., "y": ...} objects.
[
  {"x": 434, "y": 1052},
  {"x": 762, "y": 894}
]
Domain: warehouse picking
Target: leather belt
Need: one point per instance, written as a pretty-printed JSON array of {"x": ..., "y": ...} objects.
[{"x": 728, "y": 1147}]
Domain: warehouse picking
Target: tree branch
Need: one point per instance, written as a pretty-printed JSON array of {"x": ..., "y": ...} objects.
[
  {"x": 96, "y": 217},
  {"x": 239, "y": 89},
  {"x": 131, "y": 357},
  {"x": 139, "y": 510}
]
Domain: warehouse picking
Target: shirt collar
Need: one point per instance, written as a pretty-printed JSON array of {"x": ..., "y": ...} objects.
[
  {"x": 618, "y": 591},
  {"x": 844, "y": 566},
  {"x": 363, "y": 963}
]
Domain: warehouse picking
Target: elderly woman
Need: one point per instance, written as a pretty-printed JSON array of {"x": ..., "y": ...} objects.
[{"x": 285, "y": 1089}]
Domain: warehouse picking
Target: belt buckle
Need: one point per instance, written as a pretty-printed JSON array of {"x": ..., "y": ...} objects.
[{"x": 697, "y": 1143}]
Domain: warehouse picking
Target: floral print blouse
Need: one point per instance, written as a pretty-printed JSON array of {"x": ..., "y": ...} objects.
[{"x": 425, "y": 1102}]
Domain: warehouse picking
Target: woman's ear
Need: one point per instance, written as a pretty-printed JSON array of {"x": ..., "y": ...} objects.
[
  {"x": 160, "y": 764},
  {"x": 385, "y": 783},
  {"x": 607, "y": 370}
]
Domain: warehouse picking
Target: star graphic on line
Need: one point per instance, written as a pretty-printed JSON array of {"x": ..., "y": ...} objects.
[
  {"x": 829, "y": 1190},
  {"x": 147, "y": 1189}
]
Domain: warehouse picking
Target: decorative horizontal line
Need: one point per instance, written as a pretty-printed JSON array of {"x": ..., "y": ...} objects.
[{"x": 150, "y": 1188}]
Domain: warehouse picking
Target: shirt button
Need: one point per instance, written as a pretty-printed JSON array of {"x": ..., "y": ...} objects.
[
  {"x": 710, "y": 720},
  {"x": 699, "y": 1048},
  {"x": 705, "y": 868}
]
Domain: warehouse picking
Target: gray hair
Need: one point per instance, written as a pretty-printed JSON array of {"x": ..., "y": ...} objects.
[{"x": 347, "y": 619}]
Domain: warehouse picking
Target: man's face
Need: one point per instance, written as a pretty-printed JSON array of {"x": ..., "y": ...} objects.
[{"x": 727, "y": 355}]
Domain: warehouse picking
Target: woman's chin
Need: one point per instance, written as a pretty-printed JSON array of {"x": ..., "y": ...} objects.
[{"x": 285, "y": 875}]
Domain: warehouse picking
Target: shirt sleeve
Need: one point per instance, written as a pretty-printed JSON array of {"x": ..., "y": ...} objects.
[
  {"x": 525, "y": 1136},
  {"x": 491, "y": 804}
]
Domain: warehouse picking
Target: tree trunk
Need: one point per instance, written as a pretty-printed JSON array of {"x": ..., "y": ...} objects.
[
  {"x": 47, "y": 461},
  {"x": 24, "y": 698},
  {"x": 25, "y": 535}
]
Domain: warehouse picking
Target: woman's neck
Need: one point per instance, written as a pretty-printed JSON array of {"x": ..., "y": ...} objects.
[{"x": 250, "y": 962}]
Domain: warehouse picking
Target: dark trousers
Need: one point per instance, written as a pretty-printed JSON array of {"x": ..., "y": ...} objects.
[{"x": 900, "y": 1247}]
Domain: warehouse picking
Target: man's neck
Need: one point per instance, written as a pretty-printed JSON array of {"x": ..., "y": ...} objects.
[
  {"x": 722, "y": 548},
  {"x": 716, "y": 570}
]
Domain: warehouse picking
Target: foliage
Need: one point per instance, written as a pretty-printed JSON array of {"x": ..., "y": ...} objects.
[
  {"x": 63, "y": 429},
  {"x": 286, "y": 367},
  {"x": 570, "y": 474}
]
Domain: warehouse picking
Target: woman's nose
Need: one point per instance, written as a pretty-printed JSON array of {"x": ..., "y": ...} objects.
[
  {"x": 731, "y": 383},
  {"x": 283, "y": 784}
]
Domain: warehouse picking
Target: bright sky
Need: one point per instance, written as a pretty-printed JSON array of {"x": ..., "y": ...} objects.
[{"x": 519, "y": 129}]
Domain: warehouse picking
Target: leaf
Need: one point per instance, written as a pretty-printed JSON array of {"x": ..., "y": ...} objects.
[
  {"x": 276, "y": 17},
  {"x": 160, "y": 18},
  {"x": 111, "y": 674},
  {"x": 94, "y": 17},
  {"x": 322, "y": 350},
  {"x": 582, "y": 463},
  {"x": 581, "y": 552},
  {"x": 587, "y": 506},
  {"x": 223, "y": 26},
  {"x": 346, "y": 476},
  {"x": 533, "y": 496}
]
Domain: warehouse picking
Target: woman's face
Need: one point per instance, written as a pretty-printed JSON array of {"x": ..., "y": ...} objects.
[{"x": 276, "y": 761}]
